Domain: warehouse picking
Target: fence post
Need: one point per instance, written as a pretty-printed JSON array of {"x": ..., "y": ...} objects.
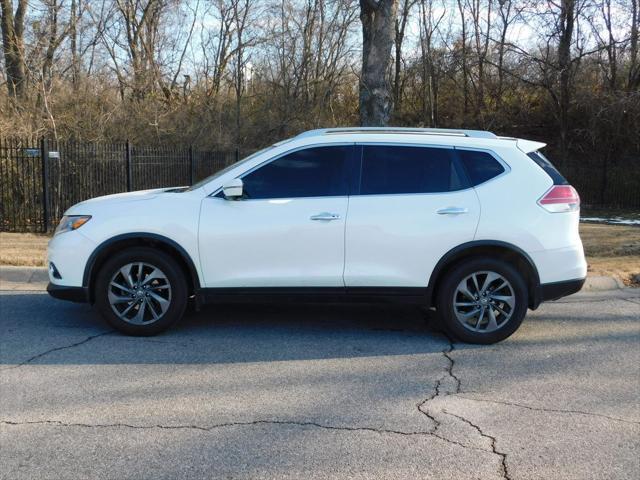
[
  {"x": 129, "y": 171},
  {"x": 237, "y": 154},
  {"x": 192, "y": 166},
  {"x": 44, "y": 157}
]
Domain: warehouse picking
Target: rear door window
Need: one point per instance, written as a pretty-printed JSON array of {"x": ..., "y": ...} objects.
[{"x": 388, "y": 169}]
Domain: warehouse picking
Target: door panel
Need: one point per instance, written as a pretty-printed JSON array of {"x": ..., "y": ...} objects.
[
  {"x": 414, "y": 205},
  {"x": 396, "y": 240},
  {"x": 272, "y": 243},
  {"x": 288, "y": 230}
]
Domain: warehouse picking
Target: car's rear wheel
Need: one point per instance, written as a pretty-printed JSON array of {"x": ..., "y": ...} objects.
[
  {"x": 482, "y": 300},
  {"x": 141, "y": 291}
]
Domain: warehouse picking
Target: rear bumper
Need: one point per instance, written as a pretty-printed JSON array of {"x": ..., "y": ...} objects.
[
  {"x": 556, "y": 290},
  {"x": 72, "y": 294}
]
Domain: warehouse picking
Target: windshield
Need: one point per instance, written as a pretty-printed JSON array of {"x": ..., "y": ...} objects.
[{"x": 219, "y": 173}]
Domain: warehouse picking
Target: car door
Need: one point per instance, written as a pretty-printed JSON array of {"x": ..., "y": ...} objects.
[
  {"x": 287, "y": 230},
  {"x": 413, "y": 205}
]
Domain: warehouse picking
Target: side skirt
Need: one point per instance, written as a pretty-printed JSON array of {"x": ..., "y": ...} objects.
[{"x": 397, "y": 295}]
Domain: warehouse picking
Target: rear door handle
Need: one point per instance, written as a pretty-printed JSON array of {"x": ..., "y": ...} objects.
[
  {"x": 325, "y": 216},
  {"x": 452, "y": 211}
]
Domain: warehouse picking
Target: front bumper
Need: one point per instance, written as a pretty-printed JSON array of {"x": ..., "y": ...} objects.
[
  {"x": 69, "y": 252},
  {"x": 73, "y": 294}
]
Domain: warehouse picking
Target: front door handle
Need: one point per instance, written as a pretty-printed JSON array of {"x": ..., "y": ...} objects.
[
  {"x": 325, "y": 216},
  {"x": 452, "y": 211}
]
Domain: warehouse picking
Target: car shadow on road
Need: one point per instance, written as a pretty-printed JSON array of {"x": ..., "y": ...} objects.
[{"x": 40, "y": 330}]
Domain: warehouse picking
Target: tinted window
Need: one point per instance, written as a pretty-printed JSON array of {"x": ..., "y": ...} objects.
[
  {"x": 314, "y": 172},
  {"x": 389, "y": 169},
  {"x": 548, "y": 167},
  {"x": 480, "y": 166}
]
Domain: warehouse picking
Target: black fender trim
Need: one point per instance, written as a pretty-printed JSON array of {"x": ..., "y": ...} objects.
[
  {"x": 153, "y": 237},
  {"x": 535, "y": 295}
]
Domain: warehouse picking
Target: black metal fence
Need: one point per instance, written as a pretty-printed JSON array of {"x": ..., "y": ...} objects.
[{"x": 40, "y": 179}]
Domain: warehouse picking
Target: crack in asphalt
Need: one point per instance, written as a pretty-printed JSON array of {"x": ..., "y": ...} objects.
[
  {"x": 492, "y": 440},
  {"x": 209, "y": 428},
  {"x": 56, "y": 349},
  {"x": 631, "y": 301},
  {"x": 431, "y": 433},
  {"x": 550, "y": 410},
  {"x": 423, "y": 408}
]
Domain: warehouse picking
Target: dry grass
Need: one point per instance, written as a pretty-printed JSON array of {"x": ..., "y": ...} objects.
[
  {"x": 23, "y": 249},
  {"x": 611, "y": 249},
  {"x": 610, "y": 240}
]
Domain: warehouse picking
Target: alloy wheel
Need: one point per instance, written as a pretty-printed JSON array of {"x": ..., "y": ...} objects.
[
  {"x": 139, "y": 293},
  {"x": 484, "y": 301}
]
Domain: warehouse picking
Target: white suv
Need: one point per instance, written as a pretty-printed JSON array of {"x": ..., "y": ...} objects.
[{"x": 479, "y": 226}]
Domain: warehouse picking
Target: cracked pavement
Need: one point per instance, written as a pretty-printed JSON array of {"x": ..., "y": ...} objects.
[{"x": 319, "y": 392}]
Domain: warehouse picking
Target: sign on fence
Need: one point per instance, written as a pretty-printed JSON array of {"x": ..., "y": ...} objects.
[{"x": 31, "y": 152}]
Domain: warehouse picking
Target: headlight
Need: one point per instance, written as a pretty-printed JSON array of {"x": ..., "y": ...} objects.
[{"x": 71, "y": 222}]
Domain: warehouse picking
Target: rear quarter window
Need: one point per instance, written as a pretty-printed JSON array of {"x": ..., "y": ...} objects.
[
  {"x": 544, "y": 163},
  {"x": 480, "y": 166}
]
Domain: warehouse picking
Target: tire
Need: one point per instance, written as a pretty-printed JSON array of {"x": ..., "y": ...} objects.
[
  {"x": 492, "y": 317},
  {"x": 120, "y": 298}
]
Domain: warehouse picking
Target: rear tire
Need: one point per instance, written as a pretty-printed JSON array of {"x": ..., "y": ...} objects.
[
  {"x": 141, "y": 291},
  {"x": 482, "y": 300}
]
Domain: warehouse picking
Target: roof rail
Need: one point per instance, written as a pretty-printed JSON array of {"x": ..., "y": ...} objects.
[{"x": 400, "y": 130}]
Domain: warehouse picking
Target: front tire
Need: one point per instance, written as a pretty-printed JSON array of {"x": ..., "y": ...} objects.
[
  {"x": 141, "y": 291},
  {"x": 482, "y": 300}
]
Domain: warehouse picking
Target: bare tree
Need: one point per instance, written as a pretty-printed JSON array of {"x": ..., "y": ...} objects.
[
  {"x": 400, "y": 27},
  {"x": 13, "y": 47},
  {"x": 566, "y": 23},
  {"x": 54, "y": 37},
  {"x": 463, "y": 54},
  {"x": 378, "y": 21},
  {"x": 633, "y": 82},
  {"x": 431, "y": 70}
]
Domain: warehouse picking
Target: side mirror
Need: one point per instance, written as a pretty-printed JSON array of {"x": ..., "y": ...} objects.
[{"x": 232, "y": 190}]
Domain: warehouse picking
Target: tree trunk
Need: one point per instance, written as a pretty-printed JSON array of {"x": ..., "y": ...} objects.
[
  {"x": 567, "y": 18},
  {"x": 378, "y": 21},
  {"x": 73, "y": 39},
  {"x": 13, "y": 47},
  {"x": 400, "y": 26},
  {"x": 465, "y": 75},
  {"x": 634, "y": 69}
]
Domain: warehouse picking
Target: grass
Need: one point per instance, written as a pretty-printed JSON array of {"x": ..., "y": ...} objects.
[
  {"x": 612, "y": 250},
  {"x": 23, "y": 249}
]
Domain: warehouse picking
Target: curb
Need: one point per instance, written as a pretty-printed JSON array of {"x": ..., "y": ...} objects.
[
  {"x": 23, "y": 278},
  {"x": 602, "y": 283},
  {"x": 36, "y": 278}
]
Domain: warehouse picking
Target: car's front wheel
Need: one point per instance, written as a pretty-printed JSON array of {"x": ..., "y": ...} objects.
[
  {"x": 482, "y": 300},
  {"x": 141, "y": 291}
]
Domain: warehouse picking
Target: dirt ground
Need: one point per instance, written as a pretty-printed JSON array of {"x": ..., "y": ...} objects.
[{"x": 612, "y": 250}]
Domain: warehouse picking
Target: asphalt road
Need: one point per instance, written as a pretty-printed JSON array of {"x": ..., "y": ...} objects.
[{"x": 319, "y": 392}]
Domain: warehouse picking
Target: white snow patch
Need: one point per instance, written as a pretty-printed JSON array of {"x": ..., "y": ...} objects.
[{"x": 613, "y": 220}]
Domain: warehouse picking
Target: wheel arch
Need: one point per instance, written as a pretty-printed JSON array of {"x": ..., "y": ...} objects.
[
  {"x": 494, "y": 249},
  {"x": 135, "y": 239}
]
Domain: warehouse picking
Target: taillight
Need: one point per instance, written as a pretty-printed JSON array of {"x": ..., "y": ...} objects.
[{"x": 560, "y": 198}]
